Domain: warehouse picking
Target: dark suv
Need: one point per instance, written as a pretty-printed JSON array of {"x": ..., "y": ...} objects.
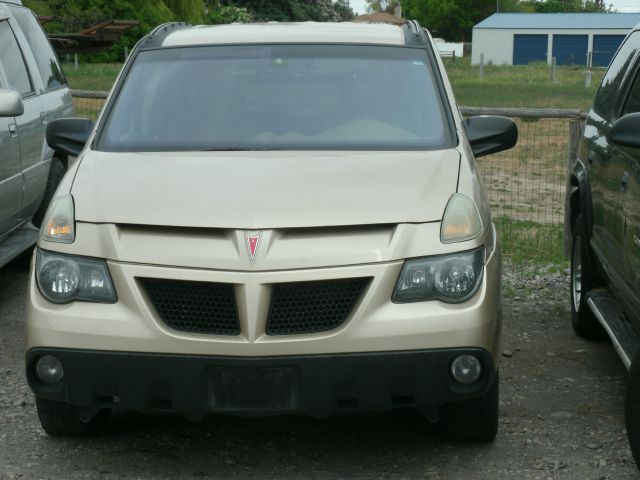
[{"x": 603, "y": 218}]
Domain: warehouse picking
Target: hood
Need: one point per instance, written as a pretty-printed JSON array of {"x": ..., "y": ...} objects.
[{"x": 264, "y": 190}]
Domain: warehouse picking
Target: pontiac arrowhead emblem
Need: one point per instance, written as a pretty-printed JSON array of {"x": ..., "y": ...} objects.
[{"x": 252, "y": 244}]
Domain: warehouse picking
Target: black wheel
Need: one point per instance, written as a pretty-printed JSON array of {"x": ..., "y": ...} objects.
[
  {"x": 632, "y": 409},
  {"x": 56, "y": 172},
  {"x": 472, "y": 420},
  {"x": 583, "y": 278},
  {"x": 60, "y": 418}
]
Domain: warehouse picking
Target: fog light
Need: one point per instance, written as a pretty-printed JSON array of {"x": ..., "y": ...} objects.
[
  {"x": 49, "y": 369},
  {"x": 466, "y": 369}
]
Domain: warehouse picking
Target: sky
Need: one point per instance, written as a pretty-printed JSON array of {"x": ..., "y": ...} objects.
[
  {"x": 626, "y": 5},
  {"x": 620, "y": 5}
]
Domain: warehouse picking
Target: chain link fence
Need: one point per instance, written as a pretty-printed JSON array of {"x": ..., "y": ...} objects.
[{"x": 525, "y": 185}]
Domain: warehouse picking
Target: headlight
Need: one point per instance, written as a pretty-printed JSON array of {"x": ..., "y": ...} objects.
[
  {"x": 451, "y": 278},
  {"x": 59, "y": 221},
  {"x": 65, "y": 278}
]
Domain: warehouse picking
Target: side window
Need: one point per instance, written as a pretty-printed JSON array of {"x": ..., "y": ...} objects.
[
  {"x": 612, "y": 81},
  {"x": 632, "y": 102},
  {"x": 48, "y": 64},
  {"x": 12, "y": 61}
]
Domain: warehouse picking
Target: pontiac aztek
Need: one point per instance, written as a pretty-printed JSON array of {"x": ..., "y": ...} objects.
[{"x": 271, "y": 219}]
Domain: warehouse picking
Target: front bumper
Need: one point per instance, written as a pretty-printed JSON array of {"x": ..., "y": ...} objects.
[
  {"x": 374, "y": 325},
  {"x": 320, "y": 385}
]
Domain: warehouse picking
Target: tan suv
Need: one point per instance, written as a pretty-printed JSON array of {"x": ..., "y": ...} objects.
[{"x": 271, "y": 219}]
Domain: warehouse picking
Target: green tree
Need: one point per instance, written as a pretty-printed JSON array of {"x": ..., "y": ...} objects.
[
  {"x": 450, "y": 19},
  {"x": 72, "y": 16},
  {"x": 227, "y": 14},
  {"x": 191, "y": 11},
  {"x": 554, "y": 6},
  {"x": 295, "y": 10}
]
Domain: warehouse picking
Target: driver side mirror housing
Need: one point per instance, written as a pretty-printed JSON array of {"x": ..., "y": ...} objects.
[
  {"x": 489, "y": 134},
  {"x": 69, "y": 135}
]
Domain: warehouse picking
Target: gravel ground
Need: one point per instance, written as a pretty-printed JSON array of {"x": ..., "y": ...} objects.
[{"x": 561, "y": 417}]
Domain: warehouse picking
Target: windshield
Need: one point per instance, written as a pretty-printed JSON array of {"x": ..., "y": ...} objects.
[{"x": 278, "y": 97}]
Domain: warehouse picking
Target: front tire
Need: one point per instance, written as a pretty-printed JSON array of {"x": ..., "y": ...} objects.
[
  {"x": 473, "y": 420},
  {"x": 583, "y": 278},
  {"x": 61, "y": 418}
]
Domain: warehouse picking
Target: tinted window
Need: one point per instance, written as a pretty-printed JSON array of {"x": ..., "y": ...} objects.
[
  {"x": 632, "y": 103},
  {"x": 610, "y": 87},
  {"x": 39, "y": 44},
  {"x": 281, "y": 97},
  {"x": 12, "y": 61}
]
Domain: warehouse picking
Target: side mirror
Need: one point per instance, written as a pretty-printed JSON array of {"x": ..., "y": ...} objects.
[
  {"x": 69, "y": 135},
  {"x": 489, "y": 134},
  {"x": 626, "y": 131},
  {"x": 10, "y": 103}
]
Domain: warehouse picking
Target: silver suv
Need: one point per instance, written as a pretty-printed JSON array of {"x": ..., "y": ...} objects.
[
  {"x": 269, "y": 219},
  {"x": 33, "y": 91}
]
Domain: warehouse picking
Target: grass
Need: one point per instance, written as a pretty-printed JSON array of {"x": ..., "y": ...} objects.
[
  {"x": 521, "y": 86},
  {"x": 92, "y": 76},
  {"x": 529, "y": 242}
]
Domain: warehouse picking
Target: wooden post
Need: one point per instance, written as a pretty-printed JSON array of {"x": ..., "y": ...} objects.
[
  {"x": 536, "y": 113},
  {"x": 575, "y": 134},
  {"x": 482, "y": 65},
  {"x": 75, "y": 61}
]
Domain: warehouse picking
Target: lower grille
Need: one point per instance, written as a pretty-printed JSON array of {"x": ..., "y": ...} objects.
[
  {"x": 196, "y": 307},
  {"x": 309, "y": 307}
]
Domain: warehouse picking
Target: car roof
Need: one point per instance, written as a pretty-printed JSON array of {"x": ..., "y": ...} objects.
[{"x": 276, "y": 32}]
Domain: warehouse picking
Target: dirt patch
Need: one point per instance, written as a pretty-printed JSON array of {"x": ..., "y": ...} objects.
[{"x": 527, "y": 183}]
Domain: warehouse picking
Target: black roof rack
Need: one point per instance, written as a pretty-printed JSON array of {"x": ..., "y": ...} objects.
[
  {"x": 413, "y": 34},
  {"x": 158, "y": 34}
]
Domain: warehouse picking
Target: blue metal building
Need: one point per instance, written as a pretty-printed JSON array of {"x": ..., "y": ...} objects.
[{"x": 572, "y": 38}]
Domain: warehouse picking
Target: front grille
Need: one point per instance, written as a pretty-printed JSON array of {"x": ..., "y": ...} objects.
[
  {"x": 308, "y": 307},
  {"x": 196, "y": 307}
]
